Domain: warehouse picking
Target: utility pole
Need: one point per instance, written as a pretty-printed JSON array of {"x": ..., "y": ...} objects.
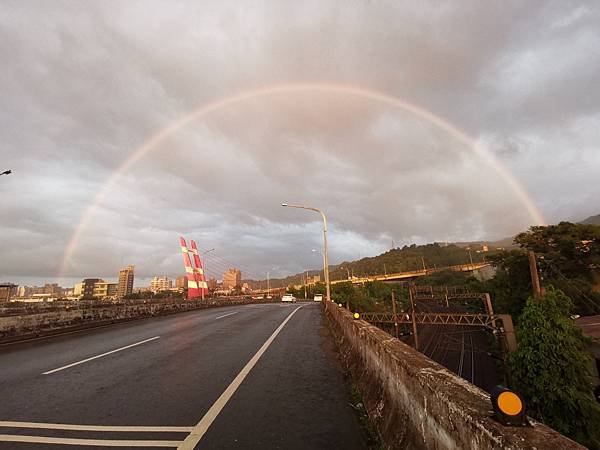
[
  {"x": 423, "y": 261},
  {"x": 414, "y": 319},
  {"x": 304, "y": 278},
  {"x": 384, "y": 270},
  {"x": 395, "y": 316},
  {"x": 535, "y": 279},
  {"x": 268, "y": 286}
]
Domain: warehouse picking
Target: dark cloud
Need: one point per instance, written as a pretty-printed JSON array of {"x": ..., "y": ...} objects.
[{"x": 84, "y": 84}]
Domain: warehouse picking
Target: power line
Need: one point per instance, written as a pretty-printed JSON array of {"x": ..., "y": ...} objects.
[{"x": 573, "y": 286}]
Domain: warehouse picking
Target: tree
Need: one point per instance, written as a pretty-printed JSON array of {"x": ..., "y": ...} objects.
[
  {"x": 573, "y": 248},
  {"x": 570, "y": 259},
  {"x": 511, "y": 285},
  {"x": 551, "y": 369}
]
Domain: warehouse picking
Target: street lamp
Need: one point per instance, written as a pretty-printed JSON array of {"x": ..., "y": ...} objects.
[
  {"x": 325, "y": 258},
  {"x": 347, "y": 270}
]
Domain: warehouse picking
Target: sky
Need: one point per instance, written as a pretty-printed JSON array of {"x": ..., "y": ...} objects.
[{"x": 490, "y": 98}]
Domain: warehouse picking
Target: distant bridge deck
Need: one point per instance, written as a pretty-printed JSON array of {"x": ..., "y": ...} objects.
[{"x": 414, "y": 273}]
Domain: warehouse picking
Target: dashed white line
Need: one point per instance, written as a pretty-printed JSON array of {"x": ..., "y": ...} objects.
[
  {"x": 225, "y": 315},
  {"x": 206, "y": 421},
  {"x": 99, "y": 356}
]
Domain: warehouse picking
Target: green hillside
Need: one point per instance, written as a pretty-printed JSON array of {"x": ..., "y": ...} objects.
[{"x": 396, "y": 260}]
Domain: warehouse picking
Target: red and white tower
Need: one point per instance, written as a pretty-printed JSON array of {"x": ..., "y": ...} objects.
[
  {"x": 199, "y": 271},
  {"x": 196, "y": 282}
]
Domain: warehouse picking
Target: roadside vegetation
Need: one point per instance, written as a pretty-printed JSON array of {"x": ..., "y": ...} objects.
[{"x": 551, "y": 368}]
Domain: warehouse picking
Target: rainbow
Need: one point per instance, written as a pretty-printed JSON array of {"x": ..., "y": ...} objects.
[{"x": 282, "y": 89}]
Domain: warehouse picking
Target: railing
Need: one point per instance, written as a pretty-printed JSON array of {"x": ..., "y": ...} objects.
[{"x": 432, "y": 318}]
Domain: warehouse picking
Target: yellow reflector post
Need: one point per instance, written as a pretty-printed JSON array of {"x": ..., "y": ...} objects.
[
  {"x": 508, "y": 406},
  {"x": 509, "y": 403}
]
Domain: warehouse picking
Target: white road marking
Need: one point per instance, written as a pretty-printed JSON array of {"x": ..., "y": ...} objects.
[
  {"x": 72, "y": 427},
  {"x": 225, "y": 315},
  {"x": 99, "y": 356},
  {"x": 89, "y": 442},
  {"x": 206, "y": 421}
]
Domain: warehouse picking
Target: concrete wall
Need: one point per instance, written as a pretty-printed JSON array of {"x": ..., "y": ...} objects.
[
  {"x": 23, "y": 326},
  {"x": 418, "y": 404}
]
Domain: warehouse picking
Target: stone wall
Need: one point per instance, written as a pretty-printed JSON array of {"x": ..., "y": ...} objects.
[{"x": 416, "y": 403}]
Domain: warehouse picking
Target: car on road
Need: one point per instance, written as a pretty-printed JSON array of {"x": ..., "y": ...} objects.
[
  {"x": 288, "y": 298},
  {"x": 318, "y": 298}
]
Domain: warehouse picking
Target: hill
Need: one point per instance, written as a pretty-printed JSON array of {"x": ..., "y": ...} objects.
[
  {"x": 403, "y": 259},
  {"x": 592, "y": 220}
]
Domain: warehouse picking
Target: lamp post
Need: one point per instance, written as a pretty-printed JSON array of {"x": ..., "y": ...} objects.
[
  {"x": 325, "y": 257},
  {"x": 347, "y": 270},
  {"x": 322, "y": 255}
]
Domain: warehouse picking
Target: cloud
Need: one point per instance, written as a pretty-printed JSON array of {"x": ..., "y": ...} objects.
[{"x": 86, "y": 84}]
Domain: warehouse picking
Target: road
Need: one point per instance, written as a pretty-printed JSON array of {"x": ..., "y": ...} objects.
[{"x": 254, "y": 376}]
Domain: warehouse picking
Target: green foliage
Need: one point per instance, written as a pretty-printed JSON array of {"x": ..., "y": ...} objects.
[
  {"x": 405, "y": 259},
  {"x": 550, "y": 369},
  {"x": 451, "y": 278},
  {"x": 511, "y": 285},
  {"x": 371, "y": 297},
  {"x": 569, "y": 259}
]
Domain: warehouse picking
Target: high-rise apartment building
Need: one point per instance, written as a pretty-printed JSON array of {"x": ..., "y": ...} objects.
[
  {"x": 125, "y": 286},
  {"x": 232, "y": 278},
  {"x": 158, "y": 284}
]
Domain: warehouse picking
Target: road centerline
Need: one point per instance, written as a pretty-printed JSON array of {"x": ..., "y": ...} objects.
[
  {"x": 202, "y": 427},
  {"x": 99, "y": 356},
  {"x": 225, "y": 315}
]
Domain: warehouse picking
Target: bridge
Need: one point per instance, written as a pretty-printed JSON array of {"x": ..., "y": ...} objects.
[
  {"x": 246, "y": 375},
  {"x": 414, "y": 273}
]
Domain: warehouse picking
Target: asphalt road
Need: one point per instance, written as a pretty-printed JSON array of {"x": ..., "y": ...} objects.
[{"x": 256, "y": 376}]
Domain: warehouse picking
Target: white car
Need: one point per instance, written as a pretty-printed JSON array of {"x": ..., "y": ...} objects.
[
  {"x": 288, "y": 298},
  {"x": 318, "y": 298}
]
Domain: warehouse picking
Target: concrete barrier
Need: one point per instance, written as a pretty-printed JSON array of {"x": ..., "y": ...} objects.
[
  {"x": 416, "y": 403},
  {"x": 35, "y": 324}
]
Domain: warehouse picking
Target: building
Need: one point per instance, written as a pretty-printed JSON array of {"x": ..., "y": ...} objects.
[
  {"x": 158, "y": 284},
  {"x": 125, "y": 286},
  {"x": 78, "y": 290},
  {"x": 7, "y": 291},
  {"x": 103, "y": 289},
  {"x": 88, "y": 287},
  {"x": 53, "y": 289},
  {"x": 181, "y": 282},
  {"x": 24, "y": 291},
  {"x": 232, "y": 278},
  {"x": 212, "y": 284}
]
